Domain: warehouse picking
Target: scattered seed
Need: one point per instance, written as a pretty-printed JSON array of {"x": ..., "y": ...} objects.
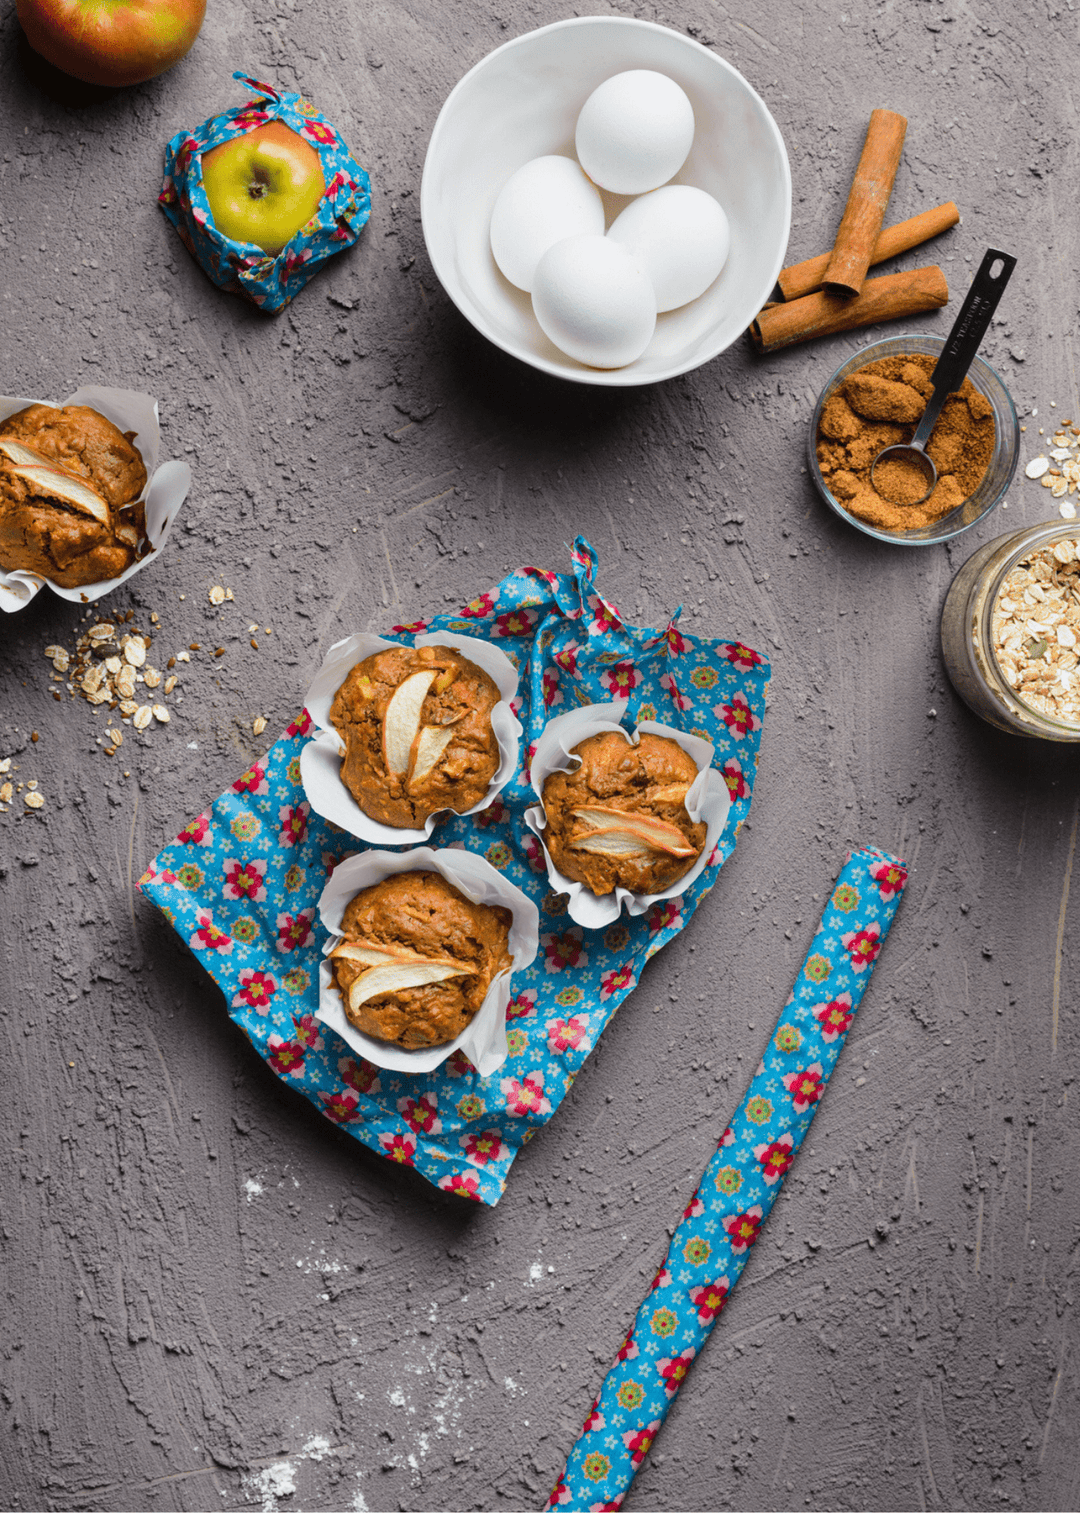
[
  {"x": 254, "y": 644},
  {"x": 219, "y": 652}
]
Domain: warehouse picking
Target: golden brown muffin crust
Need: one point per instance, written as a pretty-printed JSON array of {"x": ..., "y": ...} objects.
[
  {"x": 460, "y": 698},
  {"x": 650, "y": 780},
  {"x": 429, "y": 916},
  {"x": 43, "y": 534}
]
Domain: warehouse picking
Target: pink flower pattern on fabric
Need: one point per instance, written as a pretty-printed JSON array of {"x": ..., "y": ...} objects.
[
  {"x": 834, "y": 1017},
  {"x": 482, "y": 1148},
  {"x": 739, "y": 718},
  {"x": 253, "y": 781},
  {"x": 525, "y": 1096},
  {"x": 421, "y": 1114},
  {"x": 862, "y": 946},
  {"x": 244, "y": 880},
  {"x": 565, "y": 951},
  {"x": 566, "y": 1034},
  {"x": 256, "y": 990}
]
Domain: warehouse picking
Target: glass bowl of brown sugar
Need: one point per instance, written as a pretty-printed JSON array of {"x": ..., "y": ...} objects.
[{"x": 874, "y": 400}]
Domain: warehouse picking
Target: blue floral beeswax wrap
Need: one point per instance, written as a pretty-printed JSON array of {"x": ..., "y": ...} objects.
[
  {"x": 241, "y": 883},
  {"x": 712, "y": 1241},
  {"x": 243, "y": 267}
]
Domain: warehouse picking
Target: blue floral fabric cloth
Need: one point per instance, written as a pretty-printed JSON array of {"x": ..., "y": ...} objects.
[
  {"x": 269, "y": 281},
  {"x": 241, "y": 883},
  {"x": 723, "y": 1219}
]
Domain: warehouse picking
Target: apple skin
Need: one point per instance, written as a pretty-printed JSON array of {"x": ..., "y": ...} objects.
[
  {"x": 111, "y": 42},
  {"x": 263, "y": 186}
]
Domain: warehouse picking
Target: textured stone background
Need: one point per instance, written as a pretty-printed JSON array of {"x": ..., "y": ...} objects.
[{"x": 213, "y": 1299}]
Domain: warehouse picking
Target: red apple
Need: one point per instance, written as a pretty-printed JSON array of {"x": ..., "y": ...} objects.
[{"x": 111, "y": 42}]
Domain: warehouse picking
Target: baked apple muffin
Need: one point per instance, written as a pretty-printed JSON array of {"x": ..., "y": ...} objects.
[
  {"x": 416, "y": 723},
  {"x": 418, "y": 959},
  {"x": 69, "y": 486},
  {"x": 620, "y": 819}
]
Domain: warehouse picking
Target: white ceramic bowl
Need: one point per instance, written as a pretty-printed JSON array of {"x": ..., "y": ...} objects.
[{"x": 523, "y": 100}]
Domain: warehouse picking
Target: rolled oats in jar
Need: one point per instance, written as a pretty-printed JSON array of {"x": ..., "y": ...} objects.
[{"x": 1010, "y": 632}]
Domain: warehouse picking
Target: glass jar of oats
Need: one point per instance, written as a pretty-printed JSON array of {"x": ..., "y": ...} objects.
[{"x": 1010, "y": 632}]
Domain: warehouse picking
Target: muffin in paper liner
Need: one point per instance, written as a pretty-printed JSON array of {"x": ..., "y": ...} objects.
[
  {"x": 708, "y": 802},
  {"x": 483, "y": 1040},
  {"x": 269, "y": 280},
  {"x": 320, "y": 762},
  {"x": 167, "y": 485}
]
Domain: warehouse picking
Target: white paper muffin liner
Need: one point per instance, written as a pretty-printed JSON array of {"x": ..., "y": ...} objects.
[
  {"x": 320, "y": 760},
  {"x": 167, "y": 485},
  {"x": 483, "y": 1039},
  {"x": 708, "y": 802}
]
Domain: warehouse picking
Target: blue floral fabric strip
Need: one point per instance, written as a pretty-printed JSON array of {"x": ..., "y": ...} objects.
[
  {"x": 269, "y": 281},
  {"x": 240, "y": 884},
  {"x": 713, "y": 1239}
]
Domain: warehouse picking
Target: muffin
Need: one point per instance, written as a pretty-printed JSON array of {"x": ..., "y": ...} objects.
[
  {"x": 416, "y": 723},
  {"x": 418, "y": 959},
  {"x": 69, "y": 482},
  {"x": 620, "y": 820}
]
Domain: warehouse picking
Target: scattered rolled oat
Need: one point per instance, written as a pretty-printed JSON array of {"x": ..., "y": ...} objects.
[
  {"x": 34, "y": 800},
  {"x": 1060, "y": 472},
  {"x": 258, "y": 725},
  {"x": 6, "y": 791},
  {"x": 1036, "y": 629},
  {"x": 161, "y": 714},
  {"x": 217, "y": 594},
  {"x": 142, "y": 717}
]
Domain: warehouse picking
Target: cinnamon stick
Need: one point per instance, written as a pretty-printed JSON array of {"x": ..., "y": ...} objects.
[
  {"x": 804, "y": 278},
  {"x": 867, "y": 202},
  {"x": 824, "y": 314}
]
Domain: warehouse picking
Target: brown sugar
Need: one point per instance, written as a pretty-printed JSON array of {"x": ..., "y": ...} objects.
[{"x": 879, "y": 406}]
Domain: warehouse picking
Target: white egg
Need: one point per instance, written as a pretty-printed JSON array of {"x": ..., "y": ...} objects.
[
  {"x": 680, "y": 236},
  {"x": 634, "y": 131},
  {"x": 544, "y": 202},
  {"x": 594, "y": 301}
]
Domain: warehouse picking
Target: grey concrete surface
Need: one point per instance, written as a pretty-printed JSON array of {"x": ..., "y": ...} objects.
[{"x": 212, "y": 1299}]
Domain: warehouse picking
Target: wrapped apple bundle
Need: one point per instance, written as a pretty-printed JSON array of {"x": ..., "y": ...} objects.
[{"x": 263, "y": 194}]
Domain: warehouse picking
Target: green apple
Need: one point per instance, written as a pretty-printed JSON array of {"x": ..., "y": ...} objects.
[{"x": 263, "y": 186}]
